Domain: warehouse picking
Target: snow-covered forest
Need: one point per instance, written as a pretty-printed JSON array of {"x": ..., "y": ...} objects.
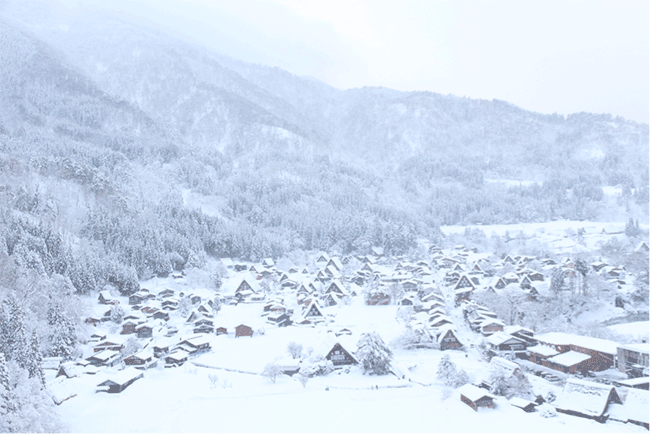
[{"x": 127, "y": 155}]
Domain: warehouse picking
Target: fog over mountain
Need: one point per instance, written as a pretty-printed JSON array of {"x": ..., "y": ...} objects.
[{"x": 155, "y": 134}]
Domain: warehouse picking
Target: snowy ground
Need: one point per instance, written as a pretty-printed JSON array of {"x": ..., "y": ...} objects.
[{"x": 185, "y": 399}]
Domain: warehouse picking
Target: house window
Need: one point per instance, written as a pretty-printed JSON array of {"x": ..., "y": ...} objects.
[{"x": 338, "y": 357}]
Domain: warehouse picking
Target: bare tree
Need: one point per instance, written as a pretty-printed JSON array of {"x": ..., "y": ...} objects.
[
  {"x": 295, "y": 349},
  {"x": 271, "y": 371}
]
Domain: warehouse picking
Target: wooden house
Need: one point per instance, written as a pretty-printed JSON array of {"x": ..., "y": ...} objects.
[
  {"x": 161, "y": 315},
  {"x": 128, "y": 327},
  {"x": 312, "y": 310},
  {"x": 439, "y": 321},
  {"x": 203, "y": 325},
  {"x": 491, "y": 326},
  {"x": 339, "y": 356},
  {"x": 634, "y": 409},
  {"x": 476, "y": 397},
  {"x": 243, "y": 330},
  {"x": 601, "y": 352},
  {"x": 377, "y": 298},
  {"x": 331, "y": 299},
  {"x": 108, "y": 345},
  {"x": 166, "y": 293},
  {"x": 336, "y": 288},
  {"x": 68, "y": 370},
  {"x": 144, "y": 331},
  {"x": 221, "y": 331},
  {"x": 539, "y": 353},
  {"x": 104, "y": 358},
  {"x": 268, "y": 263},
  {"x": 586, "y": 399},
  {"x": 447, "y": 338},
  {"x": 503, "y": 342},
  {"x": 177, "y": 358},
  {"x": 280, "y": 319},
  {"x": 141, "y": 360},
  {"x": 105, "y": 297},
  {"x": 633, "y": 359},
  {"x": 197, "y": 344},
  {"x": 120, "y": 381}
]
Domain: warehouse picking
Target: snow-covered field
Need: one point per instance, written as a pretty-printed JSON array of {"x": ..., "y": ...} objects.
[{"x": 183, "y": 400}]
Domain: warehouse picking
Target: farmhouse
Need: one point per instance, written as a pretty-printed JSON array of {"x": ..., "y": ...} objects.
[{"x": 586, "y": 399}]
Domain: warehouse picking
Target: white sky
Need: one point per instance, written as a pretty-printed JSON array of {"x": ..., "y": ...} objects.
[{"x": 561, "y": 56}]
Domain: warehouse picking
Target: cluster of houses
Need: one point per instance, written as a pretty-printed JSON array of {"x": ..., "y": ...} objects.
[{"x": 586, "y": 399}]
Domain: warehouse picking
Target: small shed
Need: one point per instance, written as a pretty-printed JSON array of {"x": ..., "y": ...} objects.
[
  {"x": 243, "y": 330},
  {"x": 476, "y": 397},
  {"x": 524, "y": 404}
]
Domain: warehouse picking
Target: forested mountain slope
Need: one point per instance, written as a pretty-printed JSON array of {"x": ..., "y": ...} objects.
[{"x": 155, "y": 152}]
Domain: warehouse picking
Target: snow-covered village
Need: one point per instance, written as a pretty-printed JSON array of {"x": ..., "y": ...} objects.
[
  {"x": 307, "y": 216},
  {"x": 468, "y": 329}
]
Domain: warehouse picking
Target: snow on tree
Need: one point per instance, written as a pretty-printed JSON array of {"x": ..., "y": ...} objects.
[
  {"x": 506, "y": 383},
  {"x": 295, "y": 349},
  {"x": 62, "y": 336},
  {"x": 216, "y": 304},
  {"x": 31, "y": 406},
  {"x": 131, "y": 346},
  {"x": 373, "y": 354},
  {"x": 451, "y": 375},
  {"x": 117, "y": 313}
]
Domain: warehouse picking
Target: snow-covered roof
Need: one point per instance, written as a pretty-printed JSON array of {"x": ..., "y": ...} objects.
[
  {"x": 515, "y": 328},
  {"x": 490, "y": 321},
  {"x": 503, "y": 363},
  {"x": 543, "y": 350},
  {"x": 635, "y": 381},
  {"x": 519, "y": 402},
  {"x": 558, "y": 338},
  {"x": 636, "y": 405},
  {"x": 474, "y": 393},
  {"x": 499, "y": 338},
  {"x": 584, "y": 397},
  {"x": 641, "y": 348},
  {"x": 569, "y": 358}
]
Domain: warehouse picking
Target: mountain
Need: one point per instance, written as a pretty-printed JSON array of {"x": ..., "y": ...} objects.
[{"x": 154, "y": 152}]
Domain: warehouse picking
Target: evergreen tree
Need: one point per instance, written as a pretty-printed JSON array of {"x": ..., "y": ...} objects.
[
  {"x": 6, "y": 405},
  {"x": 17, "y": 337},
  {"x": 34, "y": 362},
  {"x": 449, "y": 374},
  {"x": 374, "y": 355},
  {"x": 62, "y": 337}
]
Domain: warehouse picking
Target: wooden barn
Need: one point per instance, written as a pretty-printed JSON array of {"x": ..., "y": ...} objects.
[
  {"x": 476, "y": 397},
  {"x": 120, "y": 381},
  {"x": 243, "y": 330}
]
